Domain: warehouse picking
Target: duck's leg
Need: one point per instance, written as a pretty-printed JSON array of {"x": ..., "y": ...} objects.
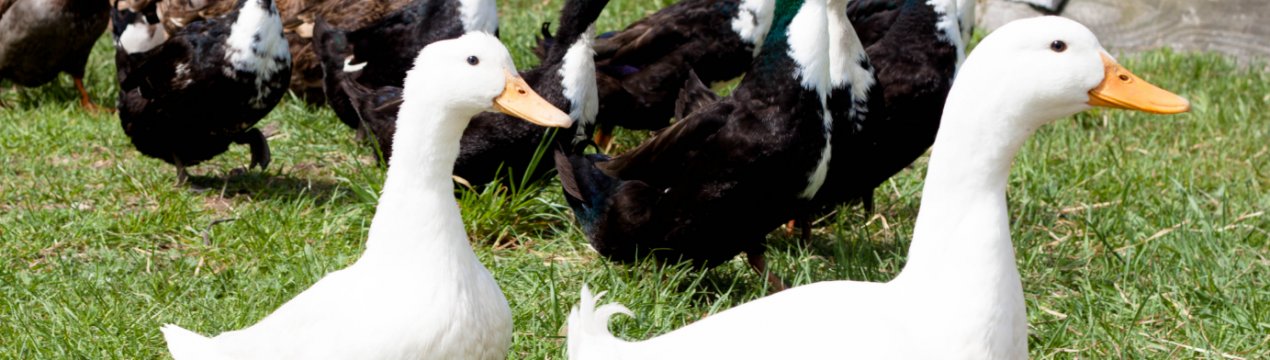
[
  {"x": 260, "y": 155},
  {"x": 604, "y": 139},
  {"x": 867, "y": 203},
  {"x": 83, "y": 97},
  {"x": 803, "y": 221},
  {"x": 181, "y": 174},
  {"x": 758, "y": 262}
]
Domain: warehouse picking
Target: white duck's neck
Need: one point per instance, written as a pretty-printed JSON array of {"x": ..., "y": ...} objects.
[
  {"x": 961, "y": 261},
  {"x": 963, "y": 207},
  {"x": 417, "y": 216}
]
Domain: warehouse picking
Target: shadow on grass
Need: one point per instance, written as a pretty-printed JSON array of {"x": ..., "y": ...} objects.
[{"x": 267, "y": 186}]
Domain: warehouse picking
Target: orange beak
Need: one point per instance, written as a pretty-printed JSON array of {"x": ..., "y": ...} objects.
[
  {"x": 521, "y": 101},
  {"x": 1121, "y": 89}
]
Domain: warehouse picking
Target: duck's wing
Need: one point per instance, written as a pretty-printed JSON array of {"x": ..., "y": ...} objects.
[
  {"x": 872, "y": 19},
  {"x": 674, "y": 149},
  {"x": 154, "y": 72},
  {"x": 640, "y": 43},
  {"x": 4, "y": 6}
]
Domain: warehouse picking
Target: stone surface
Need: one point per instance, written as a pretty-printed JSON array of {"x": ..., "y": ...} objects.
[{"x": 1240, "y": 28}]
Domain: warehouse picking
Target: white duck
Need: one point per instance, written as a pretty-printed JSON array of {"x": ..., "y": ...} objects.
[
  {"x": 418, "y": 291},
  {"x": 959, "y": 296}
]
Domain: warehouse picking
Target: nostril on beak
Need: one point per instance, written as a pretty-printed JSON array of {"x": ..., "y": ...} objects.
[{"x": 1124, "y": 77}]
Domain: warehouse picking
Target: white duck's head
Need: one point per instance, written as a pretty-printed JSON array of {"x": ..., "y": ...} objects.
[
  {"x": 467, "y": 75},
  {"x": 1045, "y": 68}
]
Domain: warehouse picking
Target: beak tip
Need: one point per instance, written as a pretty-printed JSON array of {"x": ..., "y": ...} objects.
[{"x": 1182, "y": 105}]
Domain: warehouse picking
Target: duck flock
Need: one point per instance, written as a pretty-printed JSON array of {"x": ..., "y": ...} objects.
[{"x": 836, "y": 96}]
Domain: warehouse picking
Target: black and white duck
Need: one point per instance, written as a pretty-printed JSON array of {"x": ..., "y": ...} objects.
[
  {"x": 379, "y": 54},
  {"x": 640, "y": 69},
  {"x": 959, "y": 295},
  {"x": 298, "y": 18},
  {"x": 715, "y": 183},
  {"x": 891, "y": 77},
  {"x": 493, "y": 143},
  {"x": 42, "y": 38},
  {"x": 183, "y": 99}
]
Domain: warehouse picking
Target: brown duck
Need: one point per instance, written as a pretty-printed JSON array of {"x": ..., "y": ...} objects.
[{"x": 42, "y": 38}]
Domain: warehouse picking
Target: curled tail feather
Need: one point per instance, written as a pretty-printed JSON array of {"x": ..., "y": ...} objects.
[
  {"x": 188, "y": 345},
  {"x": 589, "y": 336}
]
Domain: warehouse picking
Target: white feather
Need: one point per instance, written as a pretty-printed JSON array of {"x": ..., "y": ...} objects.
[
  {"x": 753, "y": 20},
  {"x": 349, "y": 66},
  {"x": 140, "y": 37},
  {"x": 256, "y": 45},
  {"x": 578, "y": 77},
  {"x": 948, "y": 27},
  {"x": 479, "y": 15},
  {"x": 809, "y": 47},
  {"x": 847, "y": 57}
]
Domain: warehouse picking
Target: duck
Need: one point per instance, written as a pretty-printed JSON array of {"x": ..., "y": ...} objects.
[
  {"x": 378, "y": 54},
  {"x": 959, "y": 295},
  {"x": 298, "y": 19},
  {"x": 495, "y": 146},
  {"x": 185, "y": 98},
  {"x": 418, "y": 290},
  {"x": 41, "y": 39},
  {"x": 713, "y": 185},
  {"x": 892, "y": 75},
  {"x": 640, "y": 69},
  {"x": 371, "y": 111}
]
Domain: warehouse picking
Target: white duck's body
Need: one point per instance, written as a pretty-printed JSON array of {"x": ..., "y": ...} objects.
[
  {"x": 419, "y": 290},
  {"x": 959, "y": 296}
]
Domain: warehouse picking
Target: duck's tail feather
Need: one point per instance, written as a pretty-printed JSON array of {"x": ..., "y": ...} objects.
[
  {"x": 694, "y": 95},
  {"x": 545, "y": 42},
  {"x": 188, "y": 345},
  {"x": 589, "y": 336}
]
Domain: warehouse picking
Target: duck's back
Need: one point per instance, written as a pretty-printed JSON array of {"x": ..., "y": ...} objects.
[
  {"x": 368, "y": 311},
  {"x": 40, "y": 38},
  {"x": 825, "y": 320},
  {"x": 643, "y": 66},
  {"x": 709, "y": 172}
]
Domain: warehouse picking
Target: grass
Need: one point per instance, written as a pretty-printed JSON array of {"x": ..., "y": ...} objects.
[{"x": 1137, "y": 236}]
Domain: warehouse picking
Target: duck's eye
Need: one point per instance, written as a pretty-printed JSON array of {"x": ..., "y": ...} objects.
[
  {"x": 1058, "y": 46},
  {"x": 472, "y": 60}
]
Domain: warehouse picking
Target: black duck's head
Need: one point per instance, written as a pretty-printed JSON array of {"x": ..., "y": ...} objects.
[{"x": 136, "y": 26}]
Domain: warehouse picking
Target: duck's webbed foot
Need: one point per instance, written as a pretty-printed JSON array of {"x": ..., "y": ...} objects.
[
  {"x": 83, "y": 98},
  {"x": 604, "y": 139},
  {"x": 260, "y": 155},
  {"x": 758, "y": 262}
]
